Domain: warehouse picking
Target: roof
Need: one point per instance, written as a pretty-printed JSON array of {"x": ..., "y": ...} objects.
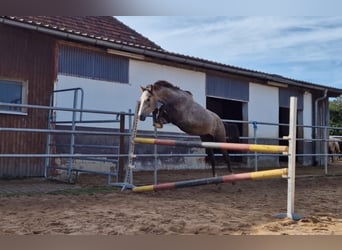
[
  {"x": 109, "y": 32},
  {"x": 105, "y": 28}
]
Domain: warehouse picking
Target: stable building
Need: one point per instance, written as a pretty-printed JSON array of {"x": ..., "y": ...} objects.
[{"x": 41, "y": 55}]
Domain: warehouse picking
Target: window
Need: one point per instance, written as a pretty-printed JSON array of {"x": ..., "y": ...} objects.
[
  {"x": 13, "y": 92},
  {"x": 92, "y": 64}
]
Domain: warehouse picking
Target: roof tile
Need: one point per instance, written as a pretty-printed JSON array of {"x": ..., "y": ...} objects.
[{"x": 99, "y": 27}]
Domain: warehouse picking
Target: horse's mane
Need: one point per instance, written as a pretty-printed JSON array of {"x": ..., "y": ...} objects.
[{"x": 165, "y": 84}]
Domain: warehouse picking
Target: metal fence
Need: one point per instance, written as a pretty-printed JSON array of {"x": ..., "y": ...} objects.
[{"x": 67, "y": 151}]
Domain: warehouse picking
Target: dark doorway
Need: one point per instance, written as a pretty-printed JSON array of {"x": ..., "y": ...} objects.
[
  {"x": 284, "y": 129},
  {"x": 284, "y": 114},
  {"x": 228, "y": 110}
]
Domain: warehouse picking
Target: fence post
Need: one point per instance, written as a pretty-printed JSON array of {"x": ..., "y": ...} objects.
[
  {"x": 325, "y": 149},
  {"x": 122, "y": 147},
  {"x": 292, "y": 158},
  {"x": 255, "y": 128},
  {"x": 155, "y": 152},
  {"x": 72, "y": 136}
]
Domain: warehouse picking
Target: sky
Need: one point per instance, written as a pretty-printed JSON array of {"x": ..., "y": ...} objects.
[{"x": 302, "y": 48}]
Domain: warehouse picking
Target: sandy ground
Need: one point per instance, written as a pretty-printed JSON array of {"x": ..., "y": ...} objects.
[{"x": 244, "y": 208}]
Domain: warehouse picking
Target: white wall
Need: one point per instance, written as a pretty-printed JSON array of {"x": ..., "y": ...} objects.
[
  {"x": 98, "y": 95},
  {"x": 263, "y": 106},
  {"x": 307, "y": 115},
  {"x": 111, "y": 96},
  {"x": 307, "y": 132},
  {"x": 142, "y": 73}
]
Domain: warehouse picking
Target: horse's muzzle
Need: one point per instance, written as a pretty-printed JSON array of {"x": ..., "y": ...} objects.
[{"x": 142, "y": 118}]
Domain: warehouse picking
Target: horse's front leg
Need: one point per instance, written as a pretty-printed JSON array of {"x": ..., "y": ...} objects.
[{"x": 156, "y": 122}]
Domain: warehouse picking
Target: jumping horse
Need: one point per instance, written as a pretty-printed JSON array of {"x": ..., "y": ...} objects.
[{"x": 179, "y": 108}]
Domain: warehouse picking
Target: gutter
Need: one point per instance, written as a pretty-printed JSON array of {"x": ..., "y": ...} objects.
[
  {"x": 319, "y": 99},
  {"x": 316, "y": 106},
  {"x": 160, "y": 54}
]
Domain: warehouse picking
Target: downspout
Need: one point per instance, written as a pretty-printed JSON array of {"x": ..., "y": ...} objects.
[
  {"x": 316, "y": 104},
  {"x": 316, "y": 124}
]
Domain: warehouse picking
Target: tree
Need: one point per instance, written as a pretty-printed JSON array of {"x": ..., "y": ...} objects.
[{"x": 335, "y": 108}]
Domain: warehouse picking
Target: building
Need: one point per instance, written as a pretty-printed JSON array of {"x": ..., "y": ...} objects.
[{"x": 109, "y": 61}]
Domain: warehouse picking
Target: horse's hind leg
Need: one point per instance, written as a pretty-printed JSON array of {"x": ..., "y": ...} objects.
[
  {"x": 211, "y": 156},
  {"x": 227, "y": 159},
  {"x": 210, "y": 152}
]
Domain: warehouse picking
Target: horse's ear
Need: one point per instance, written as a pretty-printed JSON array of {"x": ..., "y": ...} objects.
[{"x": 149, "y": 88}]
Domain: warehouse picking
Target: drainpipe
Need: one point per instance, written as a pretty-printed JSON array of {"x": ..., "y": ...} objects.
[
  {"x": 316, "y": 121},
  {"x": 316, "y": 104}
]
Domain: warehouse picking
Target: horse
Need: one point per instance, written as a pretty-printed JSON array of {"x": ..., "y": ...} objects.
[
  {"x": 334, "y": 148},
  {"x": 179, "y": 108}
]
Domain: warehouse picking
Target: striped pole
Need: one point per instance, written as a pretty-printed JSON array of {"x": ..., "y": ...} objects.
[
  {"x": 219, "y": 145},
  {"x": 267, "y": 174}
]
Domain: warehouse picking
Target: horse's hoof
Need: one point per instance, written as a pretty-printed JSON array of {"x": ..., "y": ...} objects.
[{"x": 158, "y": 125}]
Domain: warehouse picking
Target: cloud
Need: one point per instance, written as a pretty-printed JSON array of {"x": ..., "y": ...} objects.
[
  {"x": 230, "y": 7},
  {"x": 296, "y": 47},
  {"x": 241, "y": 36}
]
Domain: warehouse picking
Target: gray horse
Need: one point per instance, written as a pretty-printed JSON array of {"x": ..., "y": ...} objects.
[{"x": 179, "y": 108}]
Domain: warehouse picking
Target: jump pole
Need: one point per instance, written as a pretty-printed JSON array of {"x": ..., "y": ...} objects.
[
  {"x": 218, "y": 145},
  {"x": 267, "y": 174}
]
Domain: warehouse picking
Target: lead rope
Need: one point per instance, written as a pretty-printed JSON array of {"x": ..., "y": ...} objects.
[{"x": 131, "y": 155}]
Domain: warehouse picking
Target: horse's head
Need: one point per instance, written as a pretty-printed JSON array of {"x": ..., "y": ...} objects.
[{"x": 148, "y": 102}]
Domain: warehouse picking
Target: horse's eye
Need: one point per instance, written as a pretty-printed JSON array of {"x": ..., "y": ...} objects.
[{"x": 148, "y": 99}]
